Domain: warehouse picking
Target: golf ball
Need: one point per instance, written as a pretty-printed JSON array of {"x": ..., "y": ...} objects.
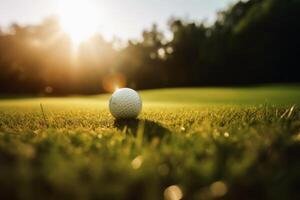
[{"x": 125, "y": 103}]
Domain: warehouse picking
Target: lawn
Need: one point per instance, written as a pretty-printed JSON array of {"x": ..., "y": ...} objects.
[{"x": 190, "y": 143}]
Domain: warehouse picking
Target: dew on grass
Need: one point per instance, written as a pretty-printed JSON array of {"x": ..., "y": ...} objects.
[
  {"x": 137, "y": 162},
  {"x": 226, "y": 134},
  {"x": 99, "y": 136}
]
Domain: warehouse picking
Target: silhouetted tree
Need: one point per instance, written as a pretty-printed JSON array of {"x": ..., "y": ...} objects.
[{"x": 254, "y": 41}]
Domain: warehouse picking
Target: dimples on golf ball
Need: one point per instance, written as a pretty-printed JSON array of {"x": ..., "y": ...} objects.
[{"x": 125, "y": 103}]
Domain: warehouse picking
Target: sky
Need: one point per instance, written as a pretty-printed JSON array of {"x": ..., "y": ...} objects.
[{"x": 124, "y": 19}]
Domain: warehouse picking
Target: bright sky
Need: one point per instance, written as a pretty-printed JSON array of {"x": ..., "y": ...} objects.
[{"x": 122, "y": 18}]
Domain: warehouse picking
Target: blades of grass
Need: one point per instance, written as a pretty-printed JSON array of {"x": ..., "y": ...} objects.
[
  {"x": 44, "y": 116},
  {"x": 140, "y": 134},
  {"x": 124, "y": 130},
  {"x": 284, "y": 114},
  {"x": 287, "y": 114},
  {"x": 291, "y": 111}
]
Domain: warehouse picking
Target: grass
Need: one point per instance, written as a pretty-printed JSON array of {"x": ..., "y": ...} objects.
[{"x": 210, "y": 143}]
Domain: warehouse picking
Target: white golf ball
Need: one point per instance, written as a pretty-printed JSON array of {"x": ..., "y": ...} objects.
[{"x": 125, "y": 103}]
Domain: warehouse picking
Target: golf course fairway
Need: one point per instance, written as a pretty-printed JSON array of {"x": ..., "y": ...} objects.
[{"x": 188, "y": 143}]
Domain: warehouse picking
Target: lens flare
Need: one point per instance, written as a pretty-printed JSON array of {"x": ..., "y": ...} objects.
[{"x": 113, "y": 82}]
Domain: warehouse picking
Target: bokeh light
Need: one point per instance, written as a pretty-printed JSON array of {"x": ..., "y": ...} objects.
[
  {"x": 173, "y": 192},
  {"x": 218, "y": 189}
]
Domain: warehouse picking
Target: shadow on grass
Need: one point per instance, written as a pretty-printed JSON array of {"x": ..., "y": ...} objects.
[{"x": 150, "y": 129}]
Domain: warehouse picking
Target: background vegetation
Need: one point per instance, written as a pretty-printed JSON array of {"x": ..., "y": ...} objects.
[{"x": 255, "y": 41}]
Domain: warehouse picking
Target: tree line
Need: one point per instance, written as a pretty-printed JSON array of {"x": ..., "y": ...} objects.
[{"x": 251, "y": 42}]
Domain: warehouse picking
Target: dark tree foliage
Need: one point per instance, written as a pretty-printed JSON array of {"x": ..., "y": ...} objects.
[{"x": 254, "y": 41}]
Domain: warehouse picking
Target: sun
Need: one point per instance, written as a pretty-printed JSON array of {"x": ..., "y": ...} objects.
[{"x": 77, "y": 18}]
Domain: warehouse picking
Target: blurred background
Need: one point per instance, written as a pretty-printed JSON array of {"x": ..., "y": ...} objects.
[{"x": 64, "y": 47}]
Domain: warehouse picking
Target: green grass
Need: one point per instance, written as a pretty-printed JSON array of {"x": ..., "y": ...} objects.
[{"x": 210, "y": 143}]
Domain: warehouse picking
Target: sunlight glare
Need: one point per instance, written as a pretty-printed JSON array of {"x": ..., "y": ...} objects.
[
  {"x": 77, "y": 18},
  {"x": 113, "y": 82}
]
